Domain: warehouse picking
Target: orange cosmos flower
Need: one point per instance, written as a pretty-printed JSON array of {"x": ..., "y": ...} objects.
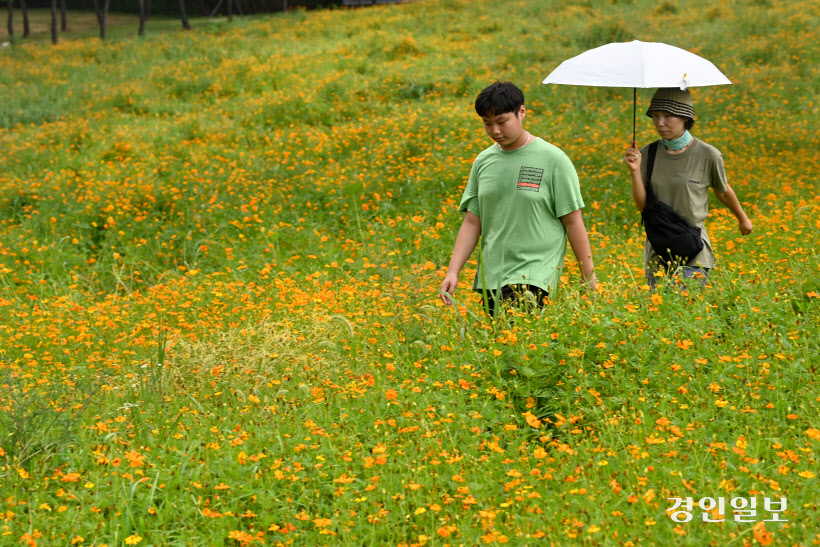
[
  {"x": 70, "y": 477},
  {"x": 532, "y": 419},
  {"x": 762, "y": 536},
  {"x": 135, "y": 459}
]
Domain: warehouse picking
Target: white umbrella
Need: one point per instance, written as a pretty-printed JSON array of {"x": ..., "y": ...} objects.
[{"x": 637, "y": 64}]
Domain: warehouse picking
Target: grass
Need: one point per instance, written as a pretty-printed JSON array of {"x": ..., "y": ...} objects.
[{"x": 219, "y": 270}]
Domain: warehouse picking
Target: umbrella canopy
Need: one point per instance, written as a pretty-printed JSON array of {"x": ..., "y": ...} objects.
[{"x": 637, "y": 64}]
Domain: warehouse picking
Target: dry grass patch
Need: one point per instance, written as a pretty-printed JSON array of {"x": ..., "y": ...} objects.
[{"x": 250, "y": 358}]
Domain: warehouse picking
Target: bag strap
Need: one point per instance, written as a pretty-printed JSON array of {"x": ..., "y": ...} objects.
[{"x": 653, "y": 150}]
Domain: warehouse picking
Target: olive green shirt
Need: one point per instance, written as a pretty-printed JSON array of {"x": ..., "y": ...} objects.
[{"x": 682, "y": 181}]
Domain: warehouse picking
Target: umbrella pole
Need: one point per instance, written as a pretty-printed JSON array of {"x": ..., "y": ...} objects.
[{"x": 634, "y": 112}]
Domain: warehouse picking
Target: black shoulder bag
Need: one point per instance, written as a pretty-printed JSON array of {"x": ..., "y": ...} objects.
[{"x": 671, "y": 236}]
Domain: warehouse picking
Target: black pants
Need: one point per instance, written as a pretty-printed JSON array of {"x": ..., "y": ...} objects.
[{"x": 516, "y": 295}]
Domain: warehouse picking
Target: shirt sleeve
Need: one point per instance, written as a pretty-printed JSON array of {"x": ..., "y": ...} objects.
[
  {"x": 717, "y": 175},
  {"x": 566, "y": 187},
  {"x": 469, "y": 200}
]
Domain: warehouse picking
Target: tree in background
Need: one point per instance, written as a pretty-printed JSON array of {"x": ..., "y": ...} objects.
[
  {"x": 184, "y": 15},
  {"x": 102, "y": 15},
  {"x": 10, "y": 26},
  {"x": 97, "y": 12},
  {"x": 26, "y": 28},
  {"x": 53, "y": 21},
  {"x": 143, "y": 17}
]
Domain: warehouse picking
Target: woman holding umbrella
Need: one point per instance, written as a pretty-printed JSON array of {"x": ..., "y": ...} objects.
[{"x": 684, "y": 169}]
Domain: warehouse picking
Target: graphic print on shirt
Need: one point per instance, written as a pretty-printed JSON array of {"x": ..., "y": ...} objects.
[{"x": 529, "y": 178}]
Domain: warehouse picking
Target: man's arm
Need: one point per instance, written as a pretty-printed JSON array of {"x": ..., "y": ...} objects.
[
  {"x": 579, "y": 241},
  {"x": 729, "y": 199},
  {"x": 466, "y": 241}
]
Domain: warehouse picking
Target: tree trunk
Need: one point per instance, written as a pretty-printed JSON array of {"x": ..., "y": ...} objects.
[
  {"x": 230, "y": 10},
  {"x": 141, "y": 31},
  {"x": 104, "y": 24},
  {"x": 53, "y": 21},
  {"x": 98, "y": 13},
  {"x": 184, "y": 16},
  {"x": 147, "y": 9},
  {"x": 102, "y": 16},
  {"x": 63, "y": 18},
  {"x": 11, "y": 20},
  {"x": 26, "y": 28}
]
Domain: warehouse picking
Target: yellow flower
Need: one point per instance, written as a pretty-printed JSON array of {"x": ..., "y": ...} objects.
[{"x": 133, "y": 539}]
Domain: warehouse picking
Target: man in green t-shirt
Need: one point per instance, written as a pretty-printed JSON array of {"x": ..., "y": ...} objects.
[{"x": 523, "y": 201}]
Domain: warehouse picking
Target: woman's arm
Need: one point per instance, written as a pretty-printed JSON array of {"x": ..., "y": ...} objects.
[{"x": 729, "y": 199}]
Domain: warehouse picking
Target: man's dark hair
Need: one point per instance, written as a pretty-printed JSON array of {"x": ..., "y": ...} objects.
[{"x": 499, "y": 98}]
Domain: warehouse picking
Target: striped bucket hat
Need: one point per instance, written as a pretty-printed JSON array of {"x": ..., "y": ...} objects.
[{"x": 674, "y": 100}]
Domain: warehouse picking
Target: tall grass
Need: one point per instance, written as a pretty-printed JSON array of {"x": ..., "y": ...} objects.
[{"x": 220, "y": 254}]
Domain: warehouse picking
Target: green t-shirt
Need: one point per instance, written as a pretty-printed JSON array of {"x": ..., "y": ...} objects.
[
  {"x": 520, "y": 196},
  {"x": 682, "y": 181}
]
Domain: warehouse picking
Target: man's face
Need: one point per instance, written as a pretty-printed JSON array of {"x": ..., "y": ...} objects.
[{"x": 506, "y": 129}]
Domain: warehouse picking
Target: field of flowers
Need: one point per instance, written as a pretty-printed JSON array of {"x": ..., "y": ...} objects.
[{"x": 220, "y": 254}]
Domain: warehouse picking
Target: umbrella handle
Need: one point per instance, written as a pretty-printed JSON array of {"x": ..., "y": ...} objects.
[{"x": 634, "y": 112}]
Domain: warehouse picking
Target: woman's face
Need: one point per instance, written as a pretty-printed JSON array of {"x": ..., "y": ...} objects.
[{"x": 668, "y": 125}]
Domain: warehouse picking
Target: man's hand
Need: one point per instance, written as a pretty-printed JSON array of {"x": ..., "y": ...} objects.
[
  {"x": 448, "y": 286},
  {"x": 592, "y": 282}
]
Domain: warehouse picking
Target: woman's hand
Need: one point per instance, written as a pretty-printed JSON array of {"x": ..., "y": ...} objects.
[
  {"x": 632, "y": 159},
  {"x": 745, "y": 226},
  {"x": 729, "y": 199}
]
